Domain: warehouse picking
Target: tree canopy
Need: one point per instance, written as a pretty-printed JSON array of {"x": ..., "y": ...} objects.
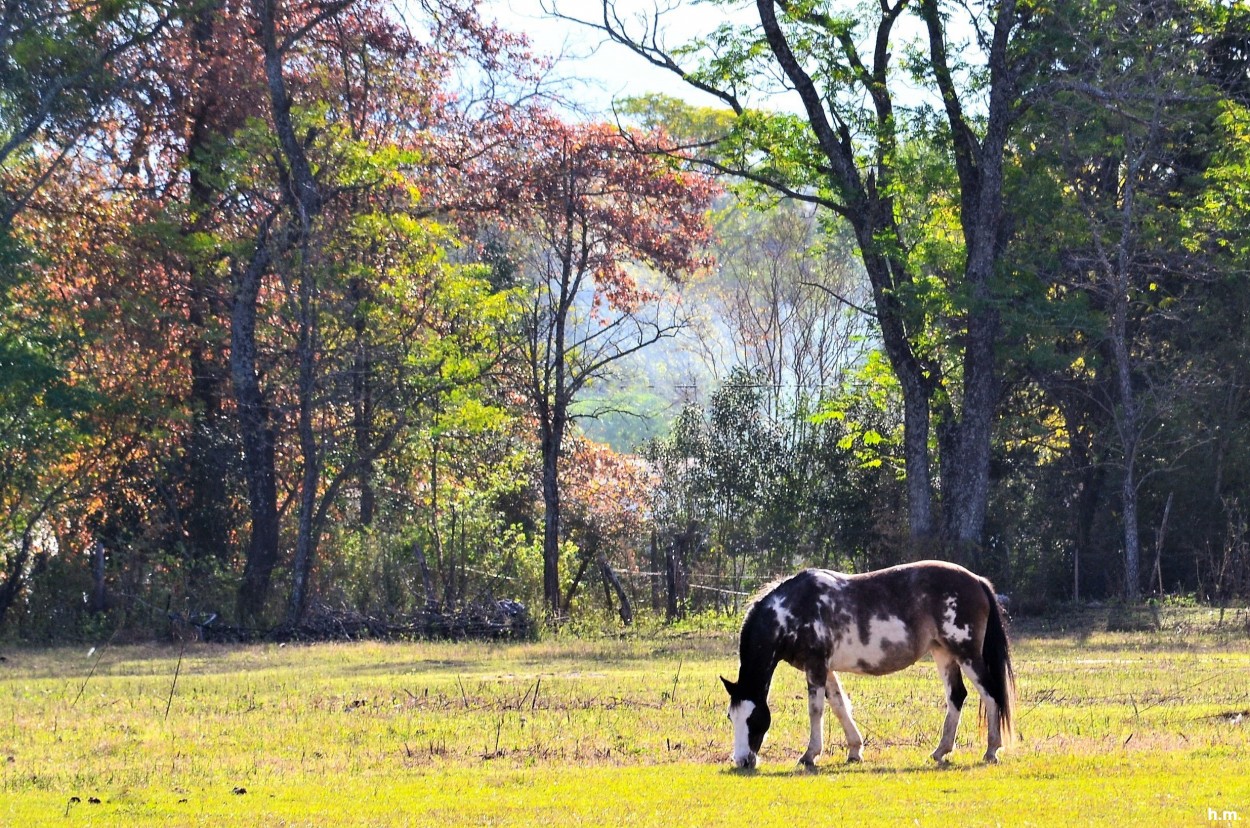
[{"x": 309, "y": 307}]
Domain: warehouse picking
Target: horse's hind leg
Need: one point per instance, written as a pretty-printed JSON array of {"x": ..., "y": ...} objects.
[
  {"x": 948, "y": 668},
  {"x": 816, "y": 716},
  {"x": 842, "y": 709},
  {"x": 976, "y": 671}
]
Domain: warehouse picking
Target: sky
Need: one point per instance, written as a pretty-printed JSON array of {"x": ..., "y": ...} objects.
[
  {"x": 604, "y": 71},
  {"x": 601, "y": 71}
]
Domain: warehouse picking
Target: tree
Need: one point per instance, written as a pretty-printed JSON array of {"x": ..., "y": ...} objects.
[
  {"x": 361, "y": 169},
  {"x": 1127, "y": 154},
  {"x": 260, "y": 328},
  {"x": 363, "y": 151},
  {"x": 43, "y": 419},
  {"x": 61, "y": 64},
  {"x": 592, "y": 204},
  {"x": 747, "y": 491},
  {"x": 606, "y": 514},
  {"x": 848, "y": 152},
  {"x": 787, "y": 295}
]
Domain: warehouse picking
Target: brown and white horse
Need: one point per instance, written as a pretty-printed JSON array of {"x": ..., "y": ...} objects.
[{"x": 824, "y": 622}]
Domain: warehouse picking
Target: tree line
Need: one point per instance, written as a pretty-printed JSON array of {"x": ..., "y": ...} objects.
[{"x": 304, "y": 301}]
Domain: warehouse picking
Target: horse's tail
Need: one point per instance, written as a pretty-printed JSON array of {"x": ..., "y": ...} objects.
[{"x": 1000, "y": 680}]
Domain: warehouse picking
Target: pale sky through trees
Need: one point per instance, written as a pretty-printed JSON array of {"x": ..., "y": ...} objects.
[
  {"x": 601, "y": 71},
  {"x": 604, "y": 70}
]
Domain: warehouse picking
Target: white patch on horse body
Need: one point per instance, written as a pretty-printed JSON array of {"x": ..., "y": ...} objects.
[
  {"x": 829, "y": 581},
  {"x": 739, "y": 712},
  {"x": 828, "y": 584},
  {"x": 778, "y": 606},
  {"x": 851, "y": 654},
  {"x": 950, "y": 630}
]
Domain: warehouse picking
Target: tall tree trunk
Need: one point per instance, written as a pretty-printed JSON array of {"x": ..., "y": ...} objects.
[
  {"x": 1119, "y": 266},
  {"x": 362, "y": 406},
  {"x": 1132, "y": 538},
  {"x": 965, "y": 451},
  {"x": 552, "y": 438},
  {"x": 867, "y": 201},
  {"x": 305, "y": 200},
  {"x": 921, "y": 527},
  {"x": 306, "y": 538},
  {"x": 257, "y": 437},
  {"x": 208, "y": 515},
  {"x": 1127, "y": 425},
  {"x": 553, "y": 412},
  {"x": 979, "y": 165}
]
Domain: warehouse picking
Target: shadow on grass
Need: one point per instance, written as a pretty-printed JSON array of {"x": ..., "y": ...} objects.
[
  {"x": 833, "y": 769},
  {"x": 1140, "y": 627}
]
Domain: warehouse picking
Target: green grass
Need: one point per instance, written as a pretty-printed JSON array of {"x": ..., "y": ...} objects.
[{"x": 1115, "y": 729}]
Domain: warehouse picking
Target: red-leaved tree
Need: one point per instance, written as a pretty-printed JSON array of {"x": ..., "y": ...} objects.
[{"x": 587, "y": 209}]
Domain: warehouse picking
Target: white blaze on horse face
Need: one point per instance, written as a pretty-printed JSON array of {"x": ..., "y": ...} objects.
[
  {"x": 739, "y": 712},
  {"x": 953, "y": 632}
]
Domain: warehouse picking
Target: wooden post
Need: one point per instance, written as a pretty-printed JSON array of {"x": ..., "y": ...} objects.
[
  {"x": 670, "y": 577},
  {"x": 1159, "y": 535},
  {"x": 99, "y": 598},
  {"x": 610, "y": 579}
]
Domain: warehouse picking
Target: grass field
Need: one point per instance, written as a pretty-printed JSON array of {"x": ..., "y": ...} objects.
[{"x": 1149, "y": 728}]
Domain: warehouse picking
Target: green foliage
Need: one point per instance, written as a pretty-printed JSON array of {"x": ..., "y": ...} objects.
[
  {"x": 685, "y": 123},
  {"x": 1215, "y": 223},
  {"x": 771, "y": 494},
  {"x": 867, "y": 417},
  {"x": 1160, "y": 266},
  {"x": 43, "y": 418},
  {"x": 59, "y": 65}
]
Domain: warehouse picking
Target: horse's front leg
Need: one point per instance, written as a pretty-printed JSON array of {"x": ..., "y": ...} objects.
[
  {"x": 816, "y": 718},
  {"x": 842, "y": 709}
]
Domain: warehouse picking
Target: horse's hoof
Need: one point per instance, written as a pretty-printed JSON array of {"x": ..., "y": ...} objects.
[
  {"x": 940, "y": 758},
  {"x": 807, "y": 764},
  {"x": 991, "y": 759},
  {"x": 854, "y": 760}
]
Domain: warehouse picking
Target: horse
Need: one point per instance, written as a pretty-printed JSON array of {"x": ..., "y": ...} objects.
[{"x": 823, "y": 622}]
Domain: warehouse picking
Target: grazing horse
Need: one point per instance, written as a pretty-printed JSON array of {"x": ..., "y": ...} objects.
[{"x": 823, "y": 622}]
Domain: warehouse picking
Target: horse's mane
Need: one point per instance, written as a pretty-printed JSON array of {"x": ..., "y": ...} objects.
[{"x": 762, "y": 593}]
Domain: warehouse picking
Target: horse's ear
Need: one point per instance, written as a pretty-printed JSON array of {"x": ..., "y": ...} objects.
[{"x": 730, "y": 687}]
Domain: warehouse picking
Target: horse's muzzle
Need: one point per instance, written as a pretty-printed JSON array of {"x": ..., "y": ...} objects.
[{"x": 748, "y": 762}]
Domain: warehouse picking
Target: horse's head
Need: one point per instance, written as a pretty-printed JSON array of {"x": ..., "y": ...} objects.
[{"x": 750, "y": 719}]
